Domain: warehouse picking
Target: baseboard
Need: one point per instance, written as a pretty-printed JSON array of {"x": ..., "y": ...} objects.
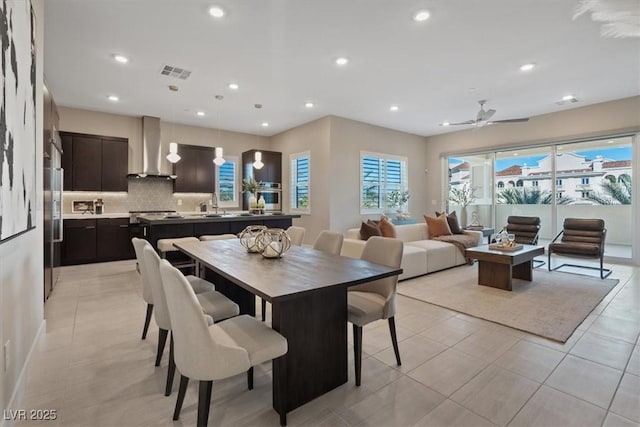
[{"x": 18, "y": 391}]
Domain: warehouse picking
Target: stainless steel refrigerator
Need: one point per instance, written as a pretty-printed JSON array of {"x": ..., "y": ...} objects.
[{"x": 53, "y": 227}]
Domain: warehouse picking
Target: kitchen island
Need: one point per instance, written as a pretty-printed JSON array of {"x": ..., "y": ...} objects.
[{"x": 195, "y": 225}]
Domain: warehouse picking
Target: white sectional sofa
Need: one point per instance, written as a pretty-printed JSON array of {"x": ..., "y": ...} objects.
[{"x": 421, "y": 255}]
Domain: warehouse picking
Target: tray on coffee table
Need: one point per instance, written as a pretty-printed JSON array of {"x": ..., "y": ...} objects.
[{"x": 500, "y": 247}]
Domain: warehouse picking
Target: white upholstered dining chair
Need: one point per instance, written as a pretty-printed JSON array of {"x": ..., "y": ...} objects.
[
  {"x": 329, "y": 242},
  {"x": 215, "y": 306},
  {"x": 296, "y": 234},
  {"x": 208, "y": 353},
  {"x": 199, "y": 285},
  {"x": 375, "y": 300}
]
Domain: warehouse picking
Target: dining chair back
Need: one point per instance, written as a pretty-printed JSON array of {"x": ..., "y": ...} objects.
[
  {"x": 196, "y": 354},
  {"x": 207, "y": 353},
  {"x": 375, "y": 300},
  {"x": 296, "y": 234},
  {"x": 147, "y": 296},
  {"x": 329, "y": 242}
]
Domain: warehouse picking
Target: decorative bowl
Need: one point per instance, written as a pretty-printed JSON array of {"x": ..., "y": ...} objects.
[
  {"x": 273, "y": 242},
  {"x": 249, "y": 237}
]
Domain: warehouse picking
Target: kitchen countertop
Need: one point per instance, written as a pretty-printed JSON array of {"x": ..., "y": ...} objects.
[
  {"x": 94, "y": 216},
  {"x": 198, "y": 218}
]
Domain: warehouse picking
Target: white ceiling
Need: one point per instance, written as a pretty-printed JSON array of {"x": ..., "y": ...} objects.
[{"x": 281, "y": 53}]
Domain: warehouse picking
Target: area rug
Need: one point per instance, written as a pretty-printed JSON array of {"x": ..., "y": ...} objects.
[{"x": 553, "y": 305}]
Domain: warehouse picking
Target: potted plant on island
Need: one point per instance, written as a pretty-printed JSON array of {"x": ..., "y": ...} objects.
[
  {"x": 252, "y": 186},
  {"x": 398, "y": 199},
  {"x": 463, "y": 197}
]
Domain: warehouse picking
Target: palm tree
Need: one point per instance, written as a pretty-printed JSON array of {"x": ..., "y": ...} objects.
[
  {"x": 515, "y": 196},
  {"x": 615, "y": 192}
]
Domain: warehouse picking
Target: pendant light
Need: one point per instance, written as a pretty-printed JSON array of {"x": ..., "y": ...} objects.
[
  {"x": 257, "y": 160},
  {"x": 173, "y": 155},
  {"x": 257, "y": 157},
  {"x": 218, "y": 160}
]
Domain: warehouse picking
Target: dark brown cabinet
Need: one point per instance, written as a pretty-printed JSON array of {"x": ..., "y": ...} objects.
[
  {"x": 96, "y": 240},
  {"x": 67, "y": 161},
  {"x": 113, "y": 241},
  {"x": 94, "y": 163},
  {"x": 87, "y": 164},
  {"x": 115, "y": 165},
  {"x": 195, "y": 172},
  {"x": 270, "y": 172},
  {"x": 79, "y": 244}
]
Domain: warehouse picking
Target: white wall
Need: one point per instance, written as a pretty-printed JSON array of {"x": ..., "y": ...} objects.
[
  {"x": 348, "y": 138},
  {"x": 21, "y": 262},
  {"x": 315, "y": 138}
]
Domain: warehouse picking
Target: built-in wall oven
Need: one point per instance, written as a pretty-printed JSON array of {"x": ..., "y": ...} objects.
[{"x": 272, "y": 194}]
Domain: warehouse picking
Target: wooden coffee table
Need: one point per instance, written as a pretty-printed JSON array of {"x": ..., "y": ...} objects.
[{"x": 496, "y": 268}]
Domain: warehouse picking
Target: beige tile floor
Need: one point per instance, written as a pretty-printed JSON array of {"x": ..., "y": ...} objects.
[{"x": 92, "y": 367}]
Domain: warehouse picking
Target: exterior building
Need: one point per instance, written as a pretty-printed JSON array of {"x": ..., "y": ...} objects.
[{"x": 576, "y": 176}]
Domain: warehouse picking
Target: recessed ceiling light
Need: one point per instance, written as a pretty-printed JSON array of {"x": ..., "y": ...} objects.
[
  {"x": 527, "y": 67},
  {"x": 233, "y": 86},
  {"x": 394, "y": 108},
  {"x": 342, "y": 61},
  {"x": 216, "y": 12},
  {"x": 515, "y": 154},
  {"x": 445, "y": 124},
  {"x": 609, "y": 142},
  {"x": 265, "y": 124},
  {"x": 120, "y": 58},
  {"x": 113, "y": 98},
  {"x": 308, "y": 104},
  {"x": 568, "y": 97},
  {"x": 200, "y": 113},
  {"x": 422, "y": 16}
]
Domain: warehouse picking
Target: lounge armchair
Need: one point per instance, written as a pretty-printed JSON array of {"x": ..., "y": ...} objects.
[{"x": 582, "y": 238}]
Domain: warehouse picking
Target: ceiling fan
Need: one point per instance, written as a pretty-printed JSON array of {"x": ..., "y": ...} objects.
[{"x": 484, "y": 118}]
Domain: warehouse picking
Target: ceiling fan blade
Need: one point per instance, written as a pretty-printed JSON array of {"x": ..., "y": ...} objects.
[
  {"x": 521, "y": 120},
  {"x": 468, "y": 122},
  {"x": 484, "y": 116}
]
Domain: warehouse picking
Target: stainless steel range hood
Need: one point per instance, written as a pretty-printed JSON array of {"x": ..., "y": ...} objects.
[{"x": 152, "y": 157}]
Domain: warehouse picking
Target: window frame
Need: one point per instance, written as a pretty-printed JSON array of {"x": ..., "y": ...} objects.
[
  {"x": 404, "y": 179},
  {"x": 235, "y": 203},
  {"x": 294, "y": 184}
]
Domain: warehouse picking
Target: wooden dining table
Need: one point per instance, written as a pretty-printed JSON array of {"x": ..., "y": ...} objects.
[{"x": 307, "y": 290}]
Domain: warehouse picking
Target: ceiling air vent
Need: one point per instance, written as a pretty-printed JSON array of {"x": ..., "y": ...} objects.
[{"x": 177, "y": 72}]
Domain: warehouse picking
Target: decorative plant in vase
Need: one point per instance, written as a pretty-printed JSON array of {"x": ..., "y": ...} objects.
[
  {"x": 463, "y": 197},
  {"x": 252, "y": 186},
  {"x": 398, "y": 199}
]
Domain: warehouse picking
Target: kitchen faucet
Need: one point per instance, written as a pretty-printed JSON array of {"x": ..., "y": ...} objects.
[{"x": 214, "y": 202}]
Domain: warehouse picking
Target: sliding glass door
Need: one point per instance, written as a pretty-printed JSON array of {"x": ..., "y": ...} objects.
[
  {"x": 586, "y": 179},
  {"x": 596, "y": 177},
  {"x": 470, "y": 189},
  {"x": 524, "y": 187}
]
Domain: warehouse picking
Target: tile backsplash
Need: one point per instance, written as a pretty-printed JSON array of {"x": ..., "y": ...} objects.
[{"x": 143, "y": 194}]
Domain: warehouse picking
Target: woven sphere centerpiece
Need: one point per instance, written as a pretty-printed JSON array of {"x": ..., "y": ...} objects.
[
  {"x": 273, "y": 242},
  {"x": 249, "y": 237}
]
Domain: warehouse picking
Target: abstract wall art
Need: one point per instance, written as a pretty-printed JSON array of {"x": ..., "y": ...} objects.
[{"x": 17, "y": 118}]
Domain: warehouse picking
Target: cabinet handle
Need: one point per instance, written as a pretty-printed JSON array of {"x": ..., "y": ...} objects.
[
  {"x": 124, "y": 226},
  {"x": 92, "y": 226}
]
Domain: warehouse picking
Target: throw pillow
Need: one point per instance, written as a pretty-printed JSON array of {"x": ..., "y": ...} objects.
[
  {"x": 387, "y": 228},
  {"x": 437, "y": 226},
  {"x": 369, "y": 229},
  {"x": 452, "y": 220}
]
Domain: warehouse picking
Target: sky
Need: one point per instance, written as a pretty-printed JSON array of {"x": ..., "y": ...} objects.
[{"x": 617, "y": 153}]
